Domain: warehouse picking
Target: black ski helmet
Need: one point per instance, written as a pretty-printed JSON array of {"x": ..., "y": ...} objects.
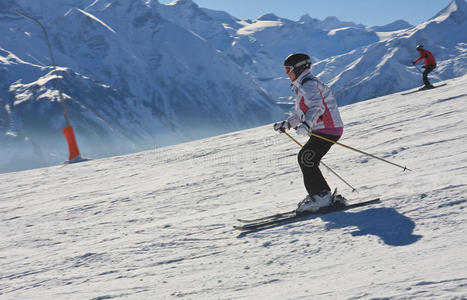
[
  {"x": 419, "y": 47},
  {"x": 297, "y": 62}
]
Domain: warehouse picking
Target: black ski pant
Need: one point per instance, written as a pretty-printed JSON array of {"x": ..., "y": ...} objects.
[
  {"x": 309, "y": 158},
  {"x": 428, "y": 69}
]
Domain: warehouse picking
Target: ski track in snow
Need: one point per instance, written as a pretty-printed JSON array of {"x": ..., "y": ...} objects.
[{"x": 158, "y": 224}]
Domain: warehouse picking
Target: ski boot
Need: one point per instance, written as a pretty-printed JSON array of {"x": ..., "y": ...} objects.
[
  {"x": 426, "y": 87},
  {"x": 315, "y": 202},
  {"x": 339, "y": 200}
]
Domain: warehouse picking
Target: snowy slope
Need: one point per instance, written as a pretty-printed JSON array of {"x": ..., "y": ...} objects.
[{"x": 157, "y": 224}]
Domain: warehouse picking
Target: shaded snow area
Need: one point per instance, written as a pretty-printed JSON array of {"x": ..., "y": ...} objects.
[{"x": 158, "y": 224}]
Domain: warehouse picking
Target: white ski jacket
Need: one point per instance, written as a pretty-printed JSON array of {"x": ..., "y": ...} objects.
[{"x": 315, "y": 105}]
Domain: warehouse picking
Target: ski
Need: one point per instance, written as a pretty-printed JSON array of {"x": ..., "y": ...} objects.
[
  {"x": 422, "y": 89},
  {"x": 286, "y": 217},
  {"x": 275, "y": 216}
]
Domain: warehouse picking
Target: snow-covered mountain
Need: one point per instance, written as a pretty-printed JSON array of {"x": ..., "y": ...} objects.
[
  {"x": 260, "y": 46},
  {"x": 134, "y": 80},
  {"x": 358, "y": 62},
  {"x": 393, "y": 26},
  {"x": 158, "y": 224},
  {"x": 385, "y": 67}
]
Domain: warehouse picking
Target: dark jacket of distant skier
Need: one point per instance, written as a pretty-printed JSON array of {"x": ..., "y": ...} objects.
[
  {"x": 315, "y": 111},
  {"x": 430, "y": 64}
]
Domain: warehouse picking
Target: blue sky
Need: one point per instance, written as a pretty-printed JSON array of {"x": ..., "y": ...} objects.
[{"x": 367, "y": 12}]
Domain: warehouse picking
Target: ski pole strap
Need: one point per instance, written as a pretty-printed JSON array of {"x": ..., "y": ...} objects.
[
  {"x": 356, "y": 150},
  {"x": 331, "y": 170}
]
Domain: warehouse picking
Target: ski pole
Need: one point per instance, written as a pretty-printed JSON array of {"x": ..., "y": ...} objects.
[
  {"x": 418, "y": 69},
  {"x": 437, "y": 72},
  {"x": 331, "y": 170},
  {"x": 356, "y": 150}
]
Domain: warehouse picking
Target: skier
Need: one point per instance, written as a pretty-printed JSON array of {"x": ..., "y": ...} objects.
[
  {"x": 430, "y": 65},
  {"x": 315, "y": 111}
]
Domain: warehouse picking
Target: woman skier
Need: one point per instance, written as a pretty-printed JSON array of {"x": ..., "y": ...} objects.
[
  {"x": 430, "y": 65},
  {"x": 315, "y": 111}
]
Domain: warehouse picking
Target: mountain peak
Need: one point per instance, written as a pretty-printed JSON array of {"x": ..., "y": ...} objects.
[
  {"x": 333, "y": 22},
  {"x": 456, "y": 10},
  {"x": 269, "y": 17},
  {"x": 183, "y": 3},
  {"x": 393, "y": 26},
  {"x": 306, "y": 18}
]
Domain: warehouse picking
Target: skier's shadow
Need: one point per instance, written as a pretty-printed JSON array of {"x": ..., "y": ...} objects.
[{"x": 391, "y": 227}]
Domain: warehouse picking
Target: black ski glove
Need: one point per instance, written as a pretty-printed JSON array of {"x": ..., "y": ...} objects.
[{"x": 281, "y": 126}]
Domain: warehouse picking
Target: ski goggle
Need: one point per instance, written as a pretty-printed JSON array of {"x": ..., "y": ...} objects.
[{"x": 288, "y": 69}]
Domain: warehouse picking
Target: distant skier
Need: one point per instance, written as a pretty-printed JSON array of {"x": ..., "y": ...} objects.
[
  {"x": 430, "y": 65},
  {"x": 315, "y": 111}
]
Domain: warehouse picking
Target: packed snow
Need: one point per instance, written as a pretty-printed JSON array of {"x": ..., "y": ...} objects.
[{"x": 158, "y": 224}]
